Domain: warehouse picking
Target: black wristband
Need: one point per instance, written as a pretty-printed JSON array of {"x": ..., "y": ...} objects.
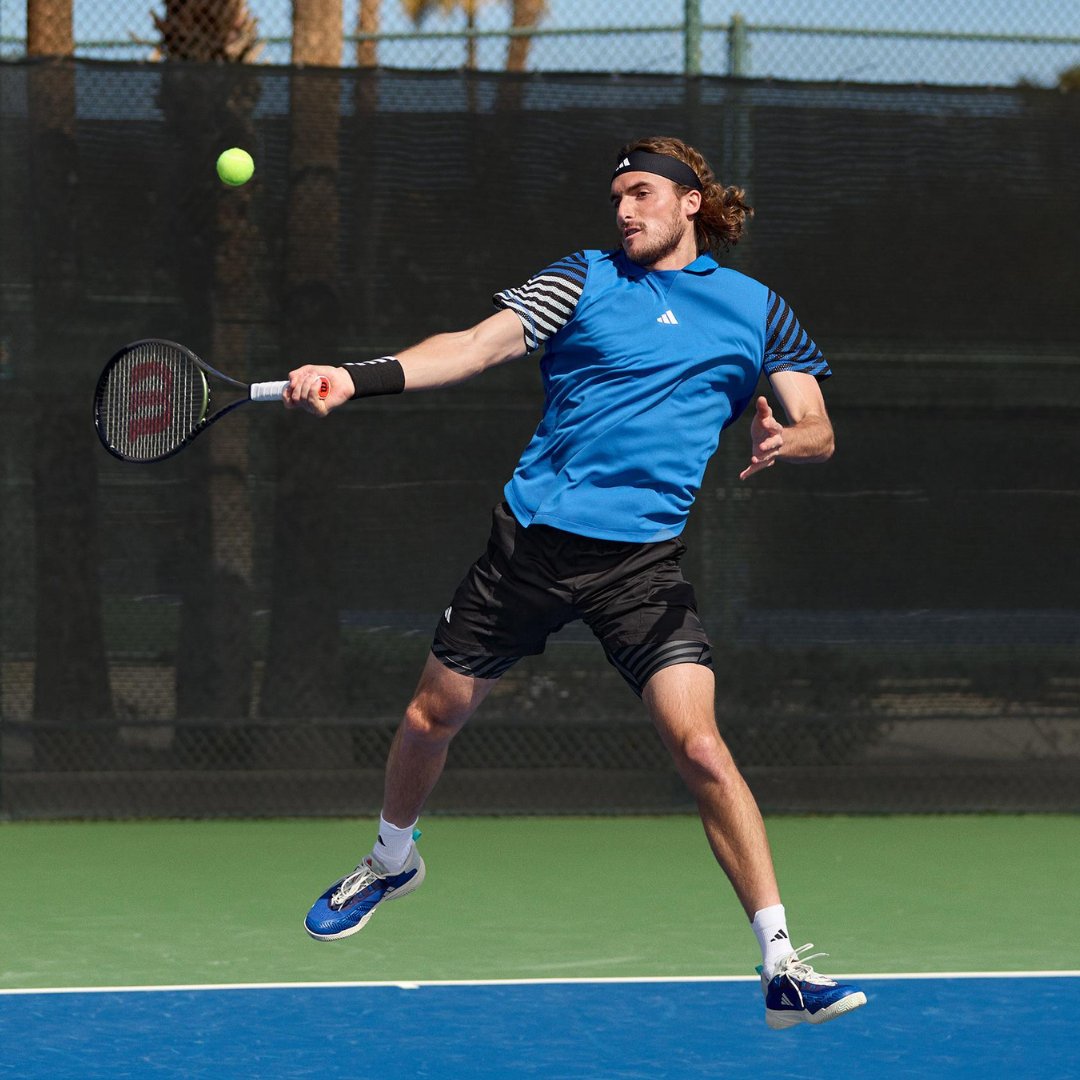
[{"x": 371, "y": 378}]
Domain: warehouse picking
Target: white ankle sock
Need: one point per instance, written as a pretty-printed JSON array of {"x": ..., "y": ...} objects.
[
  {"x": 770, "y": 926},
  {"x": 392, "y": 846}
]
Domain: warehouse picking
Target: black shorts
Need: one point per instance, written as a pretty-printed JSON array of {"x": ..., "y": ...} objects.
[{"x": 530, "y": 582}]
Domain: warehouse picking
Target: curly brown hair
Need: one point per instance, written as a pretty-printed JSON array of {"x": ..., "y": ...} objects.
[{"x": 724, "y": 210}]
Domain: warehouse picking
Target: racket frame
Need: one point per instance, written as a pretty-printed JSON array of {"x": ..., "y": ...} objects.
[{"x": 204, "y": 422}]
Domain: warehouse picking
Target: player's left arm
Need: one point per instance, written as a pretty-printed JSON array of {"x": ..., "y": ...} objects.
[{"x": 808, "y": 435}]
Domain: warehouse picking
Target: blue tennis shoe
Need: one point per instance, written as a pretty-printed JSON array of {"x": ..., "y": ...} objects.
[
  {"x": 797, "y": 994},
  {"x": 348, "y": 904}
]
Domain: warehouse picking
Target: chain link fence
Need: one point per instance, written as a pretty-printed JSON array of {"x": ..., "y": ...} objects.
[
  {"x": 972, "y": 42},
  {"x": 218, "y": 634}
]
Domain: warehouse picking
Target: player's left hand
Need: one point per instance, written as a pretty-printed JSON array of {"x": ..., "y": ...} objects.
[{"x": 766, "y": 439}]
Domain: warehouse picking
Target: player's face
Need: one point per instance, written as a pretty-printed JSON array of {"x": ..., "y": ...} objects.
[{"x": 651, "y": 217}]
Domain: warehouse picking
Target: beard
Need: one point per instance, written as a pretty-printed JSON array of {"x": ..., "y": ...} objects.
[{"x": 658, "y": 241}]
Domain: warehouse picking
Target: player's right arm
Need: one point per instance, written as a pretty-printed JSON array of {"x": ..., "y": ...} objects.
[
  {"x": 447, "y": 359},
  {"x": 442, "y": 360},
  {"x": 530, "y": 315}
]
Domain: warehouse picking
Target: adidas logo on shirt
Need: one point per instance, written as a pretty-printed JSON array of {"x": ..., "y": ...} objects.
[{"x": 669, "y": 318}]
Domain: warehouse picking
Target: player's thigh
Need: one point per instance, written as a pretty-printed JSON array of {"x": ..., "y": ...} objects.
[{"x": 681, "y": 703}]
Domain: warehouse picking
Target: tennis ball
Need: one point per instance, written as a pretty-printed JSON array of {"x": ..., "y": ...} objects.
[{"x": 235, "y": 167}]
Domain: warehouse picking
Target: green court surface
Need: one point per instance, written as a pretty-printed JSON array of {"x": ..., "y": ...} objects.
[{"x": 221, "y": 902}]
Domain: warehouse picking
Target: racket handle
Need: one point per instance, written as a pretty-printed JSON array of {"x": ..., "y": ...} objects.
[
  {"x": 272, "y": 391},
  {"x": 267, "y": 391}
]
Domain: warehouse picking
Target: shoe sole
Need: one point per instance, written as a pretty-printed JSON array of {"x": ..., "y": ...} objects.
[
  {"x": 780, "y": 1020},
  {"x": 394, "y": 894}
]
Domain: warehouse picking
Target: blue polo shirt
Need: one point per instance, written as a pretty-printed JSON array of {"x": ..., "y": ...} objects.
[{"x": 642, "y": 370}]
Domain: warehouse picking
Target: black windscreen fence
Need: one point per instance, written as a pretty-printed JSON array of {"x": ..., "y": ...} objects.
[{"x": 237, "y": 630}]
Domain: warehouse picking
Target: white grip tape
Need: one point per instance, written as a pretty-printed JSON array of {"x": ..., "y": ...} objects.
[{"x": 267, "y": 391}]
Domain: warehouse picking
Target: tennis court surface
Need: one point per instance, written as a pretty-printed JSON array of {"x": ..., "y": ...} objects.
[
  {"x": 548, "y": 947},
  {"x": 924, "y": 1027}
]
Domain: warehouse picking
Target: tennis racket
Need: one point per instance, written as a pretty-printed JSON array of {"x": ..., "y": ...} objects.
[{"x": 155, "y": 396}]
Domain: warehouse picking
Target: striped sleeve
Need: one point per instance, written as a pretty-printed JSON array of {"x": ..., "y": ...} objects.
[
  {"x": 788, "y": 347},
  {"x": 546, "y": 302}
]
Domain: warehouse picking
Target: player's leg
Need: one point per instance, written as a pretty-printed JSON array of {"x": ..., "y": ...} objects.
[
  {"x": 652, "y": 634},
  {"x": 443, "y": 701},
  {"x": 493, "y": 612},
  {"x": 680, "y": 702}
]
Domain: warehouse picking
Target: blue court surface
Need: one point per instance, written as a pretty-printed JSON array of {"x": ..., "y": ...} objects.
[{"x": 1013, "y": 1026}]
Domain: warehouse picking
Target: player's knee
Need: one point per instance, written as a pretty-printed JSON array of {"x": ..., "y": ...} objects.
[
  {"x": 704, "y": 758},
  {"x": 426, "y": 721}
]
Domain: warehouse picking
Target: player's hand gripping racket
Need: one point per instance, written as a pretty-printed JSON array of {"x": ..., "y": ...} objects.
[{"x": 155, "y": 396}]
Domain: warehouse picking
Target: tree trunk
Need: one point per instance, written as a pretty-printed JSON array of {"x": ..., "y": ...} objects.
[
  {"x": 526, "y": 13},
  {"x": 317, "y": 32},
  {"x": 367, "y": 52},
  {"x": 302, "y": 677},
  {"x": 71, "y": 679},
  {"x": 49, "y": 28},
  {"x": 206, "y": 110}
]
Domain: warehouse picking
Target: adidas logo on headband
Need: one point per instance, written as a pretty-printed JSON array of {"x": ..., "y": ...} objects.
[{"x": 671, "y": 168}]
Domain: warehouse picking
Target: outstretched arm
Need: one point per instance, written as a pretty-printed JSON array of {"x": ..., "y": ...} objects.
[
  {"x": 438, "y": 361},
  {"x": 808, "y": 437}
]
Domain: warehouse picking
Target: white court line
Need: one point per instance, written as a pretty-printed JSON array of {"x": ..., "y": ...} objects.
[{"x": 406, "y": 984}]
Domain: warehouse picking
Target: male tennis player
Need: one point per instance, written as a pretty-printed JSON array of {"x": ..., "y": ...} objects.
[{"x": 651, "y": 350}]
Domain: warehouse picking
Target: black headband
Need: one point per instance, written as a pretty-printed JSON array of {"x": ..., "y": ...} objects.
[{"x": 669, "y": 167}]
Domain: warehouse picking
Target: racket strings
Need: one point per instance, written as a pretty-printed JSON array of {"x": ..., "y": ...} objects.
[{"x": 153, "y": 400}]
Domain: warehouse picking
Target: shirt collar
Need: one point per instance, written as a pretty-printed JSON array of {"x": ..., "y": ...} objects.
[{"x": 703, "y": 264}]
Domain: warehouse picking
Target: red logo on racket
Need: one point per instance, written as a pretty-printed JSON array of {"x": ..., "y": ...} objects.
[{"x": 150, "y": 399}]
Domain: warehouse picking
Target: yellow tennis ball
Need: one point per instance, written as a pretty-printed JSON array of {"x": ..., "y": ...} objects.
[{"x": 235, "y": 167}]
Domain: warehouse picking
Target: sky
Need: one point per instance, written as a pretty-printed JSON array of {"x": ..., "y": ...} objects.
[{"x": 780, "y": 55}]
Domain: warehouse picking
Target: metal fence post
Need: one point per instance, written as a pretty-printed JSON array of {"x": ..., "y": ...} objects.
[
  {"x": 692, "y": 37},
  {"x": 738, "y": 47}
]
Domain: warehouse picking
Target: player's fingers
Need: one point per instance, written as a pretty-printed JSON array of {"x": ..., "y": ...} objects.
[
  {"x": 312, "y": 393},
  {"x": 294, "y": 392},
  {"x": 756, "y": 466},
  {"x": 763, "y": 409}
]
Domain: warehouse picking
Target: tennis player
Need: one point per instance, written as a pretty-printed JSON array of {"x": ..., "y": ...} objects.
[{"x": 651, "y": 350}]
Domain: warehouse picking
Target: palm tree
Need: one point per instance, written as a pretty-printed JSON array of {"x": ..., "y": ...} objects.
[
  {"x": 49, "y": 28},
  {"x": 367, "y": 22},
  {"x": 218, "y": 246},
  {"x": 317, "y": 32},
  {"x": 524, "y": 13},
  {"x": 207, "y": 31},
  {"x": 302, "y": 676},
  {"x": 71, "y": 679}
]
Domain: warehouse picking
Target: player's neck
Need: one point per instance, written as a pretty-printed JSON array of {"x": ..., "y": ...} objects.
[{"x": 681, "y": 257}]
